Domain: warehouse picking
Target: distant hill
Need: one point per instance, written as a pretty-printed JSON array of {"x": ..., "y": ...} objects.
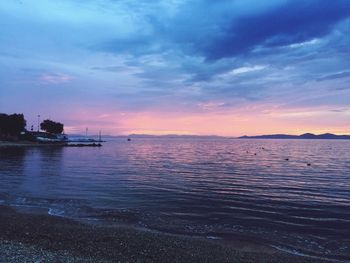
[{"x": 303, "y": 136}]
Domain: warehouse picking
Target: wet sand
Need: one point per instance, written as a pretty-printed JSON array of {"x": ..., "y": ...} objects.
[{"x": 43, "y": 238}]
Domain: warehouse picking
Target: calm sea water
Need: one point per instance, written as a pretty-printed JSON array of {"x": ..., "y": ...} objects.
[{"x": 218, "y": 188}]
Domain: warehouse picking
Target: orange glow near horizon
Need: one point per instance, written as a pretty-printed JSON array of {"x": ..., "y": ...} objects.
[{"x": 230, "y": 123}]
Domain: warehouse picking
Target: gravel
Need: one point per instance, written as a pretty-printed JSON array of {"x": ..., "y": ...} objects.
[{"x": 44, "y": 238}]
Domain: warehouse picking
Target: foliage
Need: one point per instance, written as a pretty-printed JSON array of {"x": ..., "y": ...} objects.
[
  {"x": 12, "y": 125},
  {"x": 51, "y": 127}
]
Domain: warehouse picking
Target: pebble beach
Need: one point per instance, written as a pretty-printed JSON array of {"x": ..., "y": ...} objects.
[{"x": 26, "y": 237}]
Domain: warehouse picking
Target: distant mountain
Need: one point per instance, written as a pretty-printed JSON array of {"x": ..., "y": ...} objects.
[{"x": 303, "y": 136}]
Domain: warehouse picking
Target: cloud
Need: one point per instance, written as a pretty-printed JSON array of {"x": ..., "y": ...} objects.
[
  {"x": 109, "y": 68},
  {"x": 306, "y": 43},
  {"x": 340, "y": 110},
  {"x": 54, "y": 78},
  {"x": 339, "y": 75},
  {"x": 296, "y": 21},
  {"x": 189, "y": 57},
  {"x": 243, "y": 70},
  {"x": 211, "y": 105}
]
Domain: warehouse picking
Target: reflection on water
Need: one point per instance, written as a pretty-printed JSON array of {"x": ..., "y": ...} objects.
[
  {"x": 25, "y": 171},
  {"x": 221, "y": 187}
]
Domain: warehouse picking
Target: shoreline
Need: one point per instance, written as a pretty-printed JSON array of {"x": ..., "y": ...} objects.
[
  {"x": 6, "y": 144},
  {"x": 28, "y": 144},
  {"x": 25, "y": 236}
]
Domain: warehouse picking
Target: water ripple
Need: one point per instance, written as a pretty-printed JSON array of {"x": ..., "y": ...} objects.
[{"x": 215, "y": 188}]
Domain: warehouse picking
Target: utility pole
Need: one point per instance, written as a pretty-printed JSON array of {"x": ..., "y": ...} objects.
[{"x": 38, "y": 122}]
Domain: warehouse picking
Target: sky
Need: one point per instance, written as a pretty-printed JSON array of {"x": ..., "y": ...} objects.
[{"x": 228, "y": 67}]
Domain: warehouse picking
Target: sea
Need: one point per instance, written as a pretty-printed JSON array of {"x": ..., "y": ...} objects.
[{"x": 292, "y": 195}]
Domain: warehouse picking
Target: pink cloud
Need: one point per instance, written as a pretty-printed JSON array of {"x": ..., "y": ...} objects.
[{"x": 54, "y": 78}]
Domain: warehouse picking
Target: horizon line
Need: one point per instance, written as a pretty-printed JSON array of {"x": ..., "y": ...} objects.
[{"x": 208, "y": 135}]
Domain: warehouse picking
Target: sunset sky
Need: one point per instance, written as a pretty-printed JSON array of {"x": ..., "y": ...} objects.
[{"x": 178, "y": 67}]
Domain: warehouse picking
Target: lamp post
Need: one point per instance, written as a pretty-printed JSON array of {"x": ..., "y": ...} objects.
[{"x": 38, "y": 123}]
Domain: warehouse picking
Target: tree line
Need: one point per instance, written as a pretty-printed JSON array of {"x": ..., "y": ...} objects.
[
  {"x": 52, "y": 127},
  {"x": 12, "y": 125}
]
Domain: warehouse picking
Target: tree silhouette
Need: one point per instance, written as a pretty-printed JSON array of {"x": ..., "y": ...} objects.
[
  {"x": 12, "y": 125},
  {"x": 51, "y": 127}
]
